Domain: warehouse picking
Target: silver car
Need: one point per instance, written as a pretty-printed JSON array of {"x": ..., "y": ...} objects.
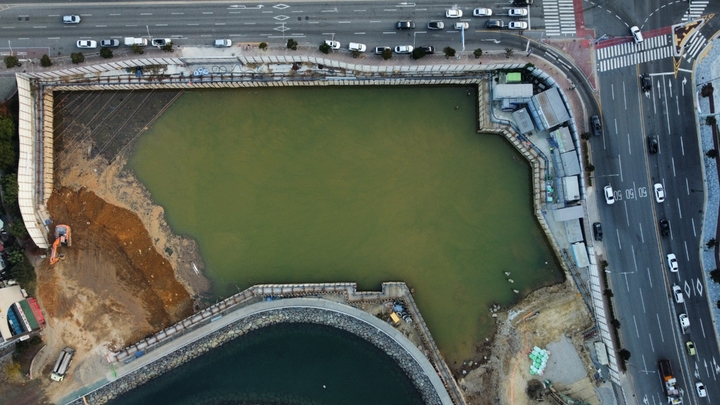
[{"x": 109, "y": 43}]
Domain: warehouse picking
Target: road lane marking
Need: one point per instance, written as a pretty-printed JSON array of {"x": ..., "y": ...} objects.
[
  {"x": 642, "y": 237},
  {"x": 682, "y": 146},
  {"x": 612, "y": 90},
  {"x": 177, "y": 13},
  {"x": 677, "y": 104},
  {"x": 673, "y": 165},
  {"x": 145, "y": 13},
  {"x": 617, "y": 234},
  {"x": 648, "y": 274},
  {"x": 627, "y": 217},
  {"x": 115, "y": 14},
  {"x": 629, "y": 147},
  {"x": 652, "y": 345},
  {"x": 627, "y": 285},
  {"x": 45, "y": 26},
  {"x": 161, "y": 25},
  {"x": 679, "y": 209},
  {"x": 624, "y": 96},
  {"x": 687, "y": 186},
  {"x": 632, "y": 248},
  {"x": 358, "y": 33},
  {"x": 642, "y": 300},
  {"x": 702, "y": 327},
  {"x": 637, "y": 331},
  {"x": 662, "y": 337},
  {"x": 687, "y": 255},
  {"x": 693, "y": 226}
]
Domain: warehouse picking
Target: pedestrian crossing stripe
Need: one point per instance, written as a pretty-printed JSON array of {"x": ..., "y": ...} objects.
[
  {"x": 693, "y": 46},
  {"x": 559, "y": 17},
  {"x": 695, "y": 10},
  {"x": 633, "y": 48}
]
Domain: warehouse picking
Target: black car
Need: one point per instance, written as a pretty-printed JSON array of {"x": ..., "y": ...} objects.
[
  {"x": 405, "y": 25},
  {"x": 496, "y": 24},
  {"x": 436, "y": 25},
  {"x": 597, "y": 231},
  {"x": 645, "y": 82},
  {"x": 664, "y": 227},
  {"x": 522, "y": 2},
  {"x": 429, "y": 50},
  {"x": 652, "y": 144},
  {"x": 595, "y": 125}
]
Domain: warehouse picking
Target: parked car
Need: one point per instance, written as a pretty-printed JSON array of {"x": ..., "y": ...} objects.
[
  {"x": 690, "y": 348},
  {"x": 684, "y": 321},
  {"x": 354, "y": 46},
  {"x": 453, "y": 13},
  {"x": 71, "y": 19},
  {"x": 109, "y": 43},
  {"x": 334, "y": 45},
  {"x": 160, "y": 41},
  {"x": 380, "y": 49},
  {"x": 522, "y": 2},
  {"x": 636, "y": 33},
  {"x": 436, "y": 25},
  {"x": 659, "y": 192},
  {"x": 664, "y": 227},
  {"x": 645, "y": 82},
  {"x": 609, "y": 195},
  {"x": 677, "y": 293},
  {"x": 405, "y": 25},
  {"x": 652, "y": 144},
  {"x": 461, "y": 26},
  {"x": 517, "y": 12},
  {"x": 597, "y": 231},
  {"x": 482, "y": 12},
  {"x": 222, "y": 43},
  {"x": 517, "y": 25},
  {"x": 86, "y": 44},
  {"x": 700, "y": 387},
  {"x": 672, "y": 262},
  {"x": 494, "y": 24},
  {"x": 404, "y": 49},
  {"x": 595, "y": 125},
  {"x": 429, "y": 50}
]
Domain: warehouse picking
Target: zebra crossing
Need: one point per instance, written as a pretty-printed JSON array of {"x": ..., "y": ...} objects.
[
  {"x": 695, "y": 43},
  {"x": 695, "y": 10},
  {"x": 559, "y": 17},
  {"x": 630, "y": 53}
]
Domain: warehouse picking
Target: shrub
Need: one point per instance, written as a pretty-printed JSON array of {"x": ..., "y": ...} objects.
[
  {"x": 324, "y": 48},
  {"x": 586, "y": 136},
  {"x": 418, "y": 53},
  {"x": 711, "y": 120},
  {"x": 355, "y": 54},
  {"x": 707, "y": 90},
  {"x": 715, "y": 276},
  {"x": 712, "y": 153},
  {"x": 615, "y": 323},
  {"x": 449, "y": 52},
  {"x": 11, "y": 61},
  {"x": 292, "y": 44},
  {"x": 106, "y": 53},
  {"x": 137, "y": 49},
  {"x": 386, "y": 54},
  {"x": 45, "y": 61},
  {"x": 77, "y": 57},
  {"x": 624, "y": 354},
  {"x": 509, "y": 52},
  {"x": 478, "y": 53},
  {"x": 167, "y": 47},
  {"x": 263, "y": 45}
]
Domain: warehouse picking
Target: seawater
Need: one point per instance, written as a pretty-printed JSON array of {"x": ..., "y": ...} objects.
[
  {"x": 364, "y": 184},
  {"x": 286, "y": 364}
]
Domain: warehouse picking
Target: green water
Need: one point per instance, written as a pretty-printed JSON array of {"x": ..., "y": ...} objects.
[
  {"x": 351, "y": 184},
  {"x": 286, "y": 364}
]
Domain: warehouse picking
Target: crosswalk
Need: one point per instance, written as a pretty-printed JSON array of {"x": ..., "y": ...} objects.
[
  {"x": 559, "y": 17},
  {"x": 695, "y": 10},
  {"x": 629, "y": 53},
  {"x": 694, "y": 44}
]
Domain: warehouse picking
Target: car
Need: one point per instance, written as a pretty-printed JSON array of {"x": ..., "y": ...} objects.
[
  {"x": 429, "y": 50},
  {"x": 595, "y": 125},
  {"x": 482, "y": 12},
  {"x": 380, "y": 49},
  {"x": 354, "y": 46},
  {"x": 222, "y": 43},
  {"x": 517, "y": 25},
  {"x": 161, "y": 41},
  {"x": 494, "y": 24},
  {"x": 461, "y": 26},
  {"x": 71, "y": 19},
  {"x": 672, "y": 262},
  {"x": 453, "y": 13},
  {"x": 522, "y": 2},
  {"x": 659, "y": 192},
  {"x": 405, "y": 25},
  {"x": 664, "y": 227},
  {"x": 690, "y": 348},
  {"x": 517, "y": 12},
  {"x": 677, "y": 293},
  {"x": 404, "y": 49},
  {"x": 597, "y": 231},
  {"x": 109, "y": 43},
  {"x": 645, "y": 82},
  {"x": 609, "y": 195},
  {"x": 652, "y": 144},
  {"x": 637, "y": 35},
  {"x": 334, "y": 45},
  {"x": 436, "y": 25},
  {"x": 684, "y": 321},
  {"x": 700, "y": 387},
  {"x": 86, "y": 44}
]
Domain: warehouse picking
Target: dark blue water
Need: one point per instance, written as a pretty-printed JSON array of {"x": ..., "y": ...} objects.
[{"x": 285, "y": 364}]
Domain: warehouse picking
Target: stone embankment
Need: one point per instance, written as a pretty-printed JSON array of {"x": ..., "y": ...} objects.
[{"x": 261, "y": 320}]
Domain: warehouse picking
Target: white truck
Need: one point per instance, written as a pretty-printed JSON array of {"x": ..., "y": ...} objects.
[{"x": 130, "y": 41}]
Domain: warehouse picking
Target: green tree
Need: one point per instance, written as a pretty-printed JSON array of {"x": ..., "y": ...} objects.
[
  {"x": 707, "y": 90},
  {"x": 324, "y": 48},
  {"x": 355, "y": 54},
  {"x": 715, "y": 276},
  {"x": 478, "y": 53},
  {"x": 589, "y": 168},
  {"x": 712, "y": 153},
  {"x": 137, "y": 49},
  {"x": 15, "y": 256},
  {"x": 8, "y": 155},
  {"x": 11, "y": 61},
  {"x": 77, "y": 57},
  {"x": 418, "y": 53},
  {"x": 292, "y": 44},
  {"x": 624, "y": 354},
  {"x": 263, "y": 45},
  {"x": 45, "y": 61},
  {"x": 17, "y": 229},
  {"x": 509, "y": 52},
  {"x": 168, "y": 47},
  {"x": 106, "y": 53},
  {"x": 586, "y": 136},
  {"x": 23, "y": 273},
  {"x": 710, "y": 120},
  {"x": 386, "y": 54},
  {"x": 10, "y": 188},
  {"x": 449, "y": 52}
]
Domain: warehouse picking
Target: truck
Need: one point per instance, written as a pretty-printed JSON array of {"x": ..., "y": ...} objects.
[
  {"x": 669, "y": 383},
  {"x": 130, "y": 41},
  {"x": 62, "y": 365}
]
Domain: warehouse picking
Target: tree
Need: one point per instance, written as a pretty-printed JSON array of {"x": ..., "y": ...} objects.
[
  {"x": 77, "y": 57},
  {"x": 535, "y": 389},
  {"x": 712, "y": 153},
  {"x": 624, "y": 354},
  {"x": 106, "y": 53},
  {"x": 292, "y": 44},
  {"x": 418, "y": 53},
  {"x": 137, "y": 49},
  {"x": 715, "y": 276},
  {"x": 10, "y": 189},
  {"x": 586, "y": 136},
  {"x": 615, "y": 323},
  {"x": 478, "y": 53},
  {"x": 711, "y": 120},
  {"x": 15, "y": 255},
  {"x": 23, "y": 273},
  {"x": 707, "y": 90},
  {"x": 324, "y": 48},
  {"x": 45, "y": 61},
  {"x": 8, "y": 154},
  {"x": 589, "y": 168},
  {"x": 263, "y": 45},
  {"x": 711, "y": 243},
  {"x": 17, "y": 229},
  {"x": 11, "y": 61},
  {"x": 449, "y": 52},
  {"x": 509, "y": 52},
  {"x": 355, "y": 54},
  {"x": 167, "y": 47},
  {"x": 608, "y": 293},
  {"x": 386, "y": 54}
]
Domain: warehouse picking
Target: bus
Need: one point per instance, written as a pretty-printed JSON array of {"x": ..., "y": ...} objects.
[{"x": 62, "y": 364}]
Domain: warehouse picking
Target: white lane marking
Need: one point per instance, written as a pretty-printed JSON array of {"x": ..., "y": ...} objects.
[
  {"x": 632, "y": 247},
  {"x": 667, "y": 112},
  {"x": 620, "y": 164},
  {"x": 624, "y": 96},
  {"x": 687, "y": 186},
  {"x": 693, "y": 225},
  {"x": 702, "y": 327},
  {"x": 617, "y": 234},
  {"x": 642, "y": 300},
  {"x": 673, "y": 166},
  {"x": 679, "y": 209},
  {"x": 677, "y": 105},
  {"x": 652, "y": 345},
  {"x": 642, "y": 236},
  {"x": 612, "y": 90},
  {"x": 637, "y": 331},
  {"x": 627, "y": 216},
  {"x": 682, "y": 146},
  {"x": 629, "y": 147},
  {"x": 662, "y": 337},
  {"x": 647, "y": 269},
  {"x": 687, "y": 253}
]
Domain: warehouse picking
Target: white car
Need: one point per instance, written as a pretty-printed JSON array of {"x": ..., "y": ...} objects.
[
  {"x": 684, "y": 321},
  {"x": 609, "y": 195},
  {"x": 517, "y": 25},
  {"x": 161, "y": 41},
  {"x": 222, "y": 43},
  {"x": 482, "y": 12},
  {"x": 659, "y": 192},
  {"x": 677, "y": 293},
  {"x": 71, "y": 19},
  {"x": 637, "y": 35},
  {"x": 404, "y": 49},
  {"x": 335, "y": 45},
  {"x": 453, "y": 13},
  {"x": 461, "y": 26},
  {"x": 109, "y": 43},
  {"x": 354, "y": 46},
  {"x": 673, "y": 263},
  {"x": 700, "y": 387},
  {"x": 517, "y": 12},
  {"x": 86, "y": 44}
]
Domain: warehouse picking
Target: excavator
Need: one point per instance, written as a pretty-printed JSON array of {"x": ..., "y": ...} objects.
[{"x": 62, "y": 236}]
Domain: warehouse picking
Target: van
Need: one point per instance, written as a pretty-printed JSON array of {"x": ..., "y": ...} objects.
[{"x": 354, "y": 46}]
